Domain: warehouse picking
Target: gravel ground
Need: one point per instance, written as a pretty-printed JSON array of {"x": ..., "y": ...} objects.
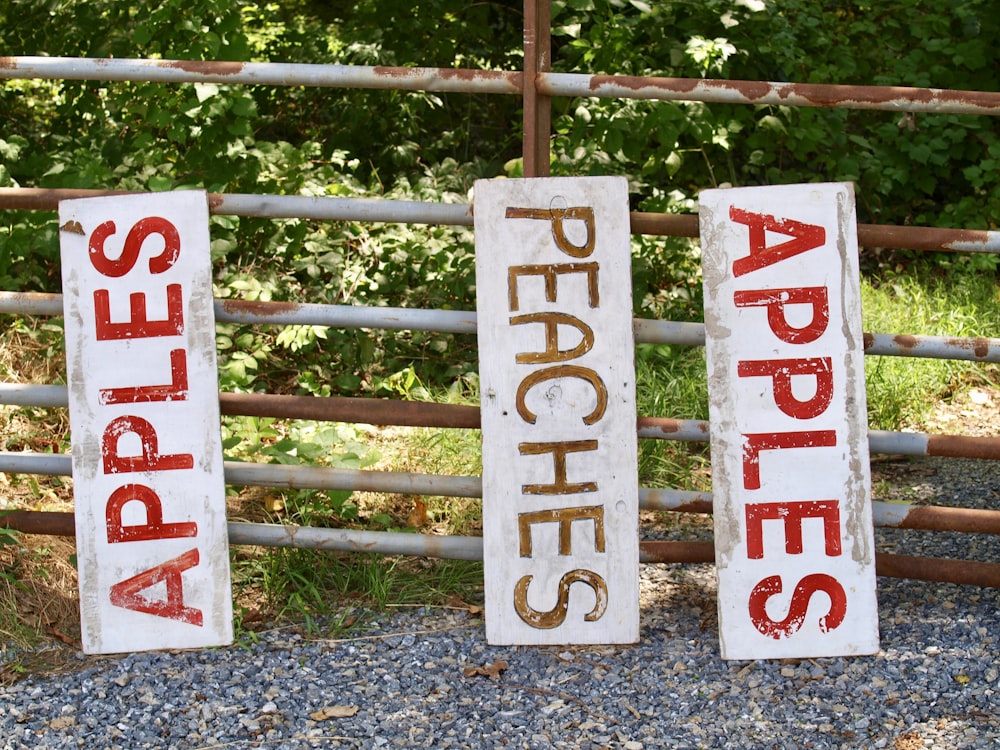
[{"x": 425, "y": 678}]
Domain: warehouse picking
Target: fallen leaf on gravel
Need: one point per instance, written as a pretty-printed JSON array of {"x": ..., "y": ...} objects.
[
  {"x": 333, "y": 712},
  {"x": 457, "y": 602},
  {"x": 493, "y": 671}
]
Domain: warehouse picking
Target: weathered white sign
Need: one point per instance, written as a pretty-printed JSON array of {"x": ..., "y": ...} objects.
[
  {"x": 790, "y": 473},
  {"x": 557, "y": 384},
  {"x": 151, "y": 533}
]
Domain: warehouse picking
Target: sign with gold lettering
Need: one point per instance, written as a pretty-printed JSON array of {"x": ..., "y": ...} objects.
[
  {"x": 557, "y": 385},
  {"x": 151, "y": 532},
  {"x": 791, "y": 479}
]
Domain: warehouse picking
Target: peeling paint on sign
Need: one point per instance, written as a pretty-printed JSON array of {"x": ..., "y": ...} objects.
[{"x": 793, "y": 526}]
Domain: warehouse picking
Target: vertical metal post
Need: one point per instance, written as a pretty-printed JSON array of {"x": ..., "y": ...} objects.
[{"x": 537, "y": 106}]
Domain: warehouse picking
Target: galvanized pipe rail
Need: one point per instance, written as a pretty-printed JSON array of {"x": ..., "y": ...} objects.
[
  {"x": 889, "y": 515},
  {"x": 463, "y": 80},
  {"x": 976, "y": 349}
]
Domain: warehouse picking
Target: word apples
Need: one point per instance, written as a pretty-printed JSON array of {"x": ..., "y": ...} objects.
[
  {"x": 790, "y": 472},
  {"x": 151, "y": 532}
]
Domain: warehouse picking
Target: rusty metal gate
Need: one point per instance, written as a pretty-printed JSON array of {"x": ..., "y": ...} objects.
[{"x": 536, "y": 85}]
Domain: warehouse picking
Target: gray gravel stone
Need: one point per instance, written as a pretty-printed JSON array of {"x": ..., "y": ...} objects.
[{"x": 934, "y": 683}]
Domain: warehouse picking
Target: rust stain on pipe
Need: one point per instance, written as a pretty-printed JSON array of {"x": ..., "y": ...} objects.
[
  {"x": 48, "y": 523},
  {"x": 965, "y": 572},
  {"x": 47, "y": 199},
  {"x": 206, "y": 67},
  {"x": 358, "y": 410},
  {"x": 923, "y": 238},
  {"x": 399, "y": 73},
  {"x": 701, "y": 507},
  {"x": 941, "y": 518},
  {"x": 818, "y": 95},
  {"x": 678, "y": 552},
  {"x": 980, "y": 347},
  {"x": 669, "y": 426},
  {"x": 964, "y": 446},
  {"x": 263, "y": 309},
  {"x": 673, "y": 225}
]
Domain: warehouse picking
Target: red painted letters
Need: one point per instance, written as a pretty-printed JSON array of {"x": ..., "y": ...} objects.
[
  {"x": 805, "y": 237},
  {"x": 148, "y": 459}
]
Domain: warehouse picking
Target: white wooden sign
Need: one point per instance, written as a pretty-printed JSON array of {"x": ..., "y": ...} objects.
[
  {"x": 151, "y": 532},
  {"x": 791, "y": 480},
  {"x": 557, "y": 384}
]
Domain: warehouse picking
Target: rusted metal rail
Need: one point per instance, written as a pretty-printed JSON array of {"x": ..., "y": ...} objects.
[
  {"x": 888, "y": 98},
  {"x": 323, "y": 208},
  {"x": 391, "y": 412},
  {"x": 471, "y": 548},
  {"x": 890, "y": 515},
  {"x": 267, "y": 74},
  {"x": 537, "y": 106}
]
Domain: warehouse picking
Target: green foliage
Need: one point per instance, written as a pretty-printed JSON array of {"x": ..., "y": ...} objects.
[
  {"x": 334, "y": 445},
  {"x": 915, "y": 169}
]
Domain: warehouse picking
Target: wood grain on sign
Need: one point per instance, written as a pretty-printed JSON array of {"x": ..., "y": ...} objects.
[
  {"x": 790, "y": 472},
  {"x": 557, "y": 384},
  {"x": 151, "y": 531}
]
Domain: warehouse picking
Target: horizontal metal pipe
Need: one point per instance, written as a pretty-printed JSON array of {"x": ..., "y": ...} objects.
[
  {"x": 385, "y": 412},
  {"x": 344, "y": 316},
  {"x": 353, "y": 540},
  {"x": 458, "y": 214},
  {"x": 962, "y": 572},
  {"x": 973, "y": 349},
  {"x": 43, "y": 522},
  {"x": 356, "y": 410},
  {"x": 968, "y": 348},
  {"x": 340, "y": 209},
  {"x": 322, "y": 478},
  {"x": 890, "y": 98},
  {"x": 965, "y": 572},
  {"x": 891, "y": 515},
  {"x": 678, "y": 501},
  {"x": 266, "y": 74},
  {"x": 933, "y": 239}
]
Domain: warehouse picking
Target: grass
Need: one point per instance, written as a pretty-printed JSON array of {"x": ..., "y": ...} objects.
[
  {"x": 330, "y": 593},
  {"x": 671, "y": 382},
  {"x": 903, "y": 390}
]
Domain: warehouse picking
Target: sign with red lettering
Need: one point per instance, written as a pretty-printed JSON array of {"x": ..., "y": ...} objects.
[
  {"x": 151, "y": 531},
  {"x": 791, "y": 479},
  {"x": 557, "y": 385}
]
